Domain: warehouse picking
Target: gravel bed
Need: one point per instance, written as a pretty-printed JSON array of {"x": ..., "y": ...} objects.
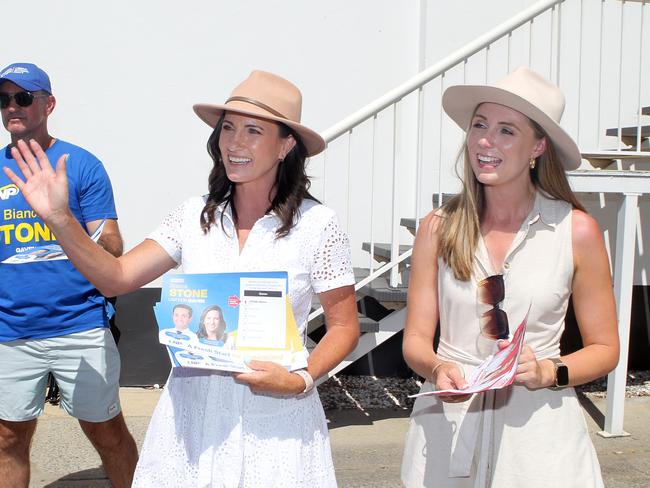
[
  {"x": 367, "y": 392},
  {"x": 637, "y": 385}
]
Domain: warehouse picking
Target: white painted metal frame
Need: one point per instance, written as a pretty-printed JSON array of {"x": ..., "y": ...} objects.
[
  {"x": 390, "y": 326},
  {"x": 623, "y": 271},
  {"x": 629, "y": 184}
]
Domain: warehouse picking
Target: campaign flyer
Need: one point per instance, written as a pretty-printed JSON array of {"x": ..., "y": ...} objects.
[
  {"x": 49, "y": 252},
  {"x": 497, "y": 371},
  {"x": 223, "y": 320}
]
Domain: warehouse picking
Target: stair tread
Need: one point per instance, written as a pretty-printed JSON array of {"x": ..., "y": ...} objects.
[
  {"x": 366, "y": 324},
  {"x": 629, "y": 131},
  {"x": 388, "y": 294},
  {"x": 361, "y": 273},
  {"x": 380, "y": 289},
  {"x": 408, "y": 222},
  {"x": 623, "y": 153},
  {"x": 383, "y": 248}
]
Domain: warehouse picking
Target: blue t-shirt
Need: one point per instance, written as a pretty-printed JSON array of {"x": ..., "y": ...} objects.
[{"x": 50, "y": 298}]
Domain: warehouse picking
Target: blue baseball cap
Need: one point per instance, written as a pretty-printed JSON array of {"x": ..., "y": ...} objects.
[{"x": 27, "y": 76}]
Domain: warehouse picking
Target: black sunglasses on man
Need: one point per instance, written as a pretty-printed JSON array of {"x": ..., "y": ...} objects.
[{"x": 22, "y": 98}]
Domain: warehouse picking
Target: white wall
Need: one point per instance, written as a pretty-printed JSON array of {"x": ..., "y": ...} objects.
[
  {"x": 472, "y": 18},
  {"x": 126, "y": 73}
]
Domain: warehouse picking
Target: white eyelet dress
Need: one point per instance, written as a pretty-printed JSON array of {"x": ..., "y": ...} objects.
[
  {"x": 209, "y": 431},
  {"x": 511, "y": 437}
]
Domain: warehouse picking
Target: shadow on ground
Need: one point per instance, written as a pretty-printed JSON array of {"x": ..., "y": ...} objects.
[
  {"x": 88, "y": 477},
  {"x": 592, "y": 410},
  {"x": 345, "y": 418}
]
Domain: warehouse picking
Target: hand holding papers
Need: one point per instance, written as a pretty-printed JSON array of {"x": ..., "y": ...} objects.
[
  {"x": 222, "y": 320},
  {"x": 497, "y": 371}
]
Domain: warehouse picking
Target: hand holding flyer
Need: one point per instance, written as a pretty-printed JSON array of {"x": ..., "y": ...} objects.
[{"x": 497, "y": 371}]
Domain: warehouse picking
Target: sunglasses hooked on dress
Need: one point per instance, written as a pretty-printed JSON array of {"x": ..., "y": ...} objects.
[{"x": 494, "y": 322}]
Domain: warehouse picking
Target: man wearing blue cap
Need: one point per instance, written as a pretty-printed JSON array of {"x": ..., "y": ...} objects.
[{"x": 51, "y": 318}]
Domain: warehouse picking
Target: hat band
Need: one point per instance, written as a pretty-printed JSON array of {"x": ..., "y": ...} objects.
[{"x": 258, "y": 104}]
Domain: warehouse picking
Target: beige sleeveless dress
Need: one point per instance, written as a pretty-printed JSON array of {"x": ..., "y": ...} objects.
[{"x": 511, "y": 437}]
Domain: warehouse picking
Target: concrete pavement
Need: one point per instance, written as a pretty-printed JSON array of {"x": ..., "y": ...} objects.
[{"x": 367, "y": 446}]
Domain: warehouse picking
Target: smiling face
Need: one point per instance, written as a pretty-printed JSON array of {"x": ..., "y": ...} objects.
[
  {"x": 26, "y": 122},
  {"x": 212, "y": 324},
  {"x": 500, "y": 144},
  {"x": 181, "y": 318},
  {"x": 251, "y": 149}
]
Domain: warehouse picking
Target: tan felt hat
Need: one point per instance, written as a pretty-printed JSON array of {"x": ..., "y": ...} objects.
[{"x": 268, "y": 96}]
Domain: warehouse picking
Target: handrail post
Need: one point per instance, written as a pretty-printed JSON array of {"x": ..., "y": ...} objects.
[
  {"x": 394, "y": 225},
  {"x": 623, "y": 276}
]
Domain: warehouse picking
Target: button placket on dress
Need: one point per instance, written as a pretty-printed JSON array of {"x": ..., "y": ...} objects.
[{"x": 483, "y": 420}]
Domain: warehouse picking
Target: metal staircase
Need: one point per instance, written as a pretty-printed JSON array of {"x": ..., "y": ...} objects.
[{"x": 406, "y": 146}]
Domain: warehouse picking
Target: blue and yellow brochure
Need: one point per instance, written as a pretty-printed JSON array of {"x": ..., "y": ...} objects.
[{"x": 223, "y": 320}]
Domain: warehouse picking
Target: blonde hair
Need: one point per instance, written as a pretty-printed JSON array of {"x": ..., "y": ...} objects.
[{"x": 460, "y": 227}]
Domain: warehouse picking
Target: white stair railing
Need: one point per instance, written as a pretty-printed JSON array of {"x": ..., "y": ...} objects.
[
  {"x": 374, "y": 214},
  {"x": 384, "y": 161}
]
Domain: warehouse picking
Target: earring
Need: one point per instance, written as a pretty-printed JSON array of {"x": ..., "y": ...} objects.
[{"x": 532, "y": 163}]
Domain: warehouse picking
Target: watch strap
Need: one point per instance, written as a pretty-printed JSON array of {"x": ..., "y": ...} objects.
[
  {"x": 561, "y": 373},
  {"x": 309, "y": 381}
]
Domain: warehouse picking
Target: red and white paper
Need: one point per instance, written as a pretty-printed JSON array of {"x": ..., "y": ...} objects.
[{"x": 497, "y": 371}]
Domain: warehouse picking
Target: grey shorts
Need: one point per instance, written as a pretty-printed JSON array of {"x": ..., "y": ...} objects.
[{"x": 86, "y": 366}]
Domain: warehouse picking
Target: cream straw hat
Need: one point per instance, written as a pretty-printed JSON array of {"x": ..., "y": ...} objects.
[{"x": 524, "y": 91}]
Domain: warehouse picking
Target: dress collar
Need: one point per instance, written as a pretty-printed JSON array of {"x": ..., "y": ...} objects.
[
  {"x": 226, "y": 210},
  {"x": 546, "y": 209}
]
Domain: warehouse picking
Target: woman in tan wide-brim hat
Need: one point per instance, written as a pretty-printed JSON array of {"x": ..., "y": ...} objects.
[
  {"x": 265, "y": 427},
  {"x": 514, "y": 245}
]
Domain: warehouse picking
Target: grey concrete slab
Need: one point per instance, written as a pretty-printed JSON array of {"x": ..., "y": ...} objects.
[
  {"x": 367, "y": 446},
  {"x": 624, "y": 461},
  {"x": 62, "y": 456}
]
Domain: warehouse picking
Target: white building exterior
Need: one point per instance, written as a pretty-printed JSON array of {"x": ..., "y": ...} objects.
[{"x": 126, "y": 73}]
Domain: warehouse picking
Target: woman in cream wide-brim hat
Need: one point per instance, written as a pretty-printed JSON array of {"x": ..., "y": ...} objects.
[
  {"x": 266, "y": 427},
  {"x": 513, "y": 246}
]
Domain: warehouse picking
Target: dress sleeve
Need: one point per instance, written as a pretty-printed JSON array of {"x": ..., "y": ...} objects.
[
  {"x": 169, "y": 233},
  {"x": 332, "y": 264}
]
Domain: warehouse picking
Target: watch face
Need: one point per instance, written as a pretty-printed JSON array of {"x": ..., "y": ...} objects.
[{"x": 561, "y": 375}]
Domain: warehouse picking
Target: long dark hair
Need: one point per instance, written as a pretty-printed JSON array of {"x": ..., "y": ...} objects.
[
  {"x": 202, "y": 333},
  {"x": 291, "y": 183}
]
